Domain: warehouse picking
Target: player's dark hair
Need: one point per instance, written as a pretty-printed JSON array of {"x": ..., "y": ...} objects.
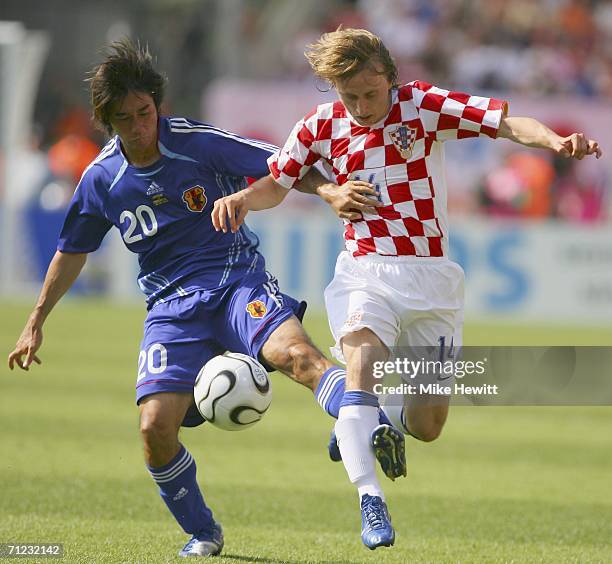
[
  {"x": 128, "y": 67},
  {"x": 341, "y": 54}
]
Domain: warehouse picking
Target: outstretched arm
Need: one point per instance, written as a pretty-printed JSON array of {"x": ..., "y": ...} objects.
[
  {"x": 532, "y": 133},
  {"x": 63, "y": 271}
]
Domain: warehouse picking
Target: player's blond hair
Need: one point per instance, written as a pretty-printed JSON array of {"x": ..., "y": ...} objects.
[{"x": 340, "y": 54}]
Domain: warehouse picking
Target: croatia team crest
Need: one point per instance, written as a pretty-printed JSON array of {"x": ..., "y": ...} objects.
[
  {"x": 256, "y": 309},
  {"x": 195, "y": 198},
  {"x": 403, "y": 138}
]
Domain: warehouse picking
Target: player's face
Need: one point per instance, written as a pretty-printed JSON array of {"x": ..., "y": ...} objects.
[
  {"x": 135, "y": 120},
  {"x": 366, "y": 95}
]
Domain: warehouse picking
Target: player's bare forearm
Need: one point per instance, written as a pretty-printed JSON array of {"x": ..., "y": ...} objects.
[
  {"x": 263, "y": 194},
  {"x": 312, "y": 181},
  {"x": 63, "y": 271},
  {"x": 61, "y": 274},
  {"x": 315, "y": 183},
  {"x": 532, "y": 133},
  {"x": 527, "y": 131}
]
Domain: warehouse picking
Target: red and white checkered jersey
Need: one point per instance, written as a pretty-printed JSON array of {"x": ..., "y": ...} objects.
[{"x": 402, "y": 156}]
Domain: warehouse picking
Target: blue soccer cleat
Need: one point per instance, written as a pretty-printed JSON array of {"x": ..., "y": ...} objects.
[
  {"x": 388, "y": 444},
  {"x": 376, "y": 529},
  {"x": 204, "y": 544}
]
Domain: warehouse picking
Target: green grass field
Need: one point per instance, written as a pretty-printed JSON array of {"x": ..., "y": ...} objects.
[{"x": 501, "y": 484}]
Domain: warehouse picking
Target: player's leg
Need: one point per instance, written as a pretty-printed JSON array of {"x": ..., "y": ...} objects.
[
  {"x": 174, "y": 348},
  {"x": 289, "y": 349},
  {"x": 161, "y": 415},
  {"x": 357, "y": 422},
  {"x": 359, "y": 409},
  {"x": 420, "y": 415},
  {"x": 364, "y": 327},
  {"x": 174, "y": 470},
  {"x": 425, "y": 414},
  {"x": 439, "y": 334},
  {"x": 264, "y": 323},
  {"x": 355, "y": 300}
]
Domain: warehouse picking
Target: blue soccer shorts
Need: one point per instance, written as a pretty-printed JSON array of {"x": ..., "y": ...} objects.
[{"x": 181, "y": 335}]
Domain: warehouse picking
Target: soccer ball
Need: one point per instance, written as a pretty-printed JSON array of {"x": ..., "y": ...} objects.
[{"x": 232, "y": 391}]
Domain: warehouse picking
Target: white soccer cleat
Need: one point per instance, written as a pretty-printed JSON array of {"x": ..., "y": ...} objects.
[{"x": 206, "y": 544}]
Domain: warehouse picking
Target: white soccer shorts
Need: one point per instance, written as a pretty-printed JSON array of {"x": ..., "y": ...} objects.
[{"x": 406, "y": 301}]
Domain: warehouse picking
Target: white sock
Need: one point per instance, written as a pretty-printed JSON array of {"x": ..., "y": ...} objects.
[{"x": 353, "y": 430}]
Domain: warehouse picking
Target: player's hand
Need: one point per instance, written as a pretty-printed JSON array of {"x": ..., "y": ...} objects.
[
  {"x": 27, "y": 345},
  {"x": 233, "y": 207},
  {"x": 352, "y": 199},
  {"x": 577, "y": 146}
]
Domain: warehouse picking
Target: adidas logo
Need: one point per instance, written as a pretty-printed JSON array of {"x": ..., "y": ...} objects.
[
  {"x": 181, "y": 494},
  {"x": 154, "y": 188}
]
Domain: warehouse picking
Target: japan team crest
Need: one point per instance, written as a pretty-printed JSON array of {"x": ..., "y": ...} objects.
[
  {"x": 257, "y": 309},
  {"x": 403, "y": 138},
  {"x": 195, "y": 198}
]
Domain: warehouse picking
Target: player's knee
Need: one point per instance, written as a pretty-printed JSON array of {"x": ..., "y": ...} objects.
[{"x": 156, "y": 431}]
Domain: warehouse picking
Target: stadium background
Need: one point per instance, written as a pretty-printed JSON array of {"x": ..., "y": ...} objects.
[{"x": 533, "y": 233}]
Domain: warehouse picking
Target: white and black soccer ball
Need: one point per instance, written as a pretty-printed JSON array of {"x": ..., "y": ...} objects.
[{"x": 232, "y": 391}]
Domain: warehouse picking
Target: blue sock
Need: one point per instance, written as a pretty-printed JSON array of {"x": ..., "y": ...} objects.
[
  {"x": 180, "y": 491},
  {"x": 359, "y": 397},
  {"x": 330, "y": 390}
]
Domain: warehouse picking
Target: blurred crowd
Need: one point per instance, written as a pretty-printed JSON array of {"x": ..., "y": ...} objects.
[
  {"x": 548, "y": 46},
  {"x": 538, "y": 47}
]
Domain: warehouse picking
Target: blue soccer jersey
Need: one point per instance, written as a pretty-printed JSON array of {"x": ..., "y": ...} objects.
[{"x": 163, "y": 210}]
